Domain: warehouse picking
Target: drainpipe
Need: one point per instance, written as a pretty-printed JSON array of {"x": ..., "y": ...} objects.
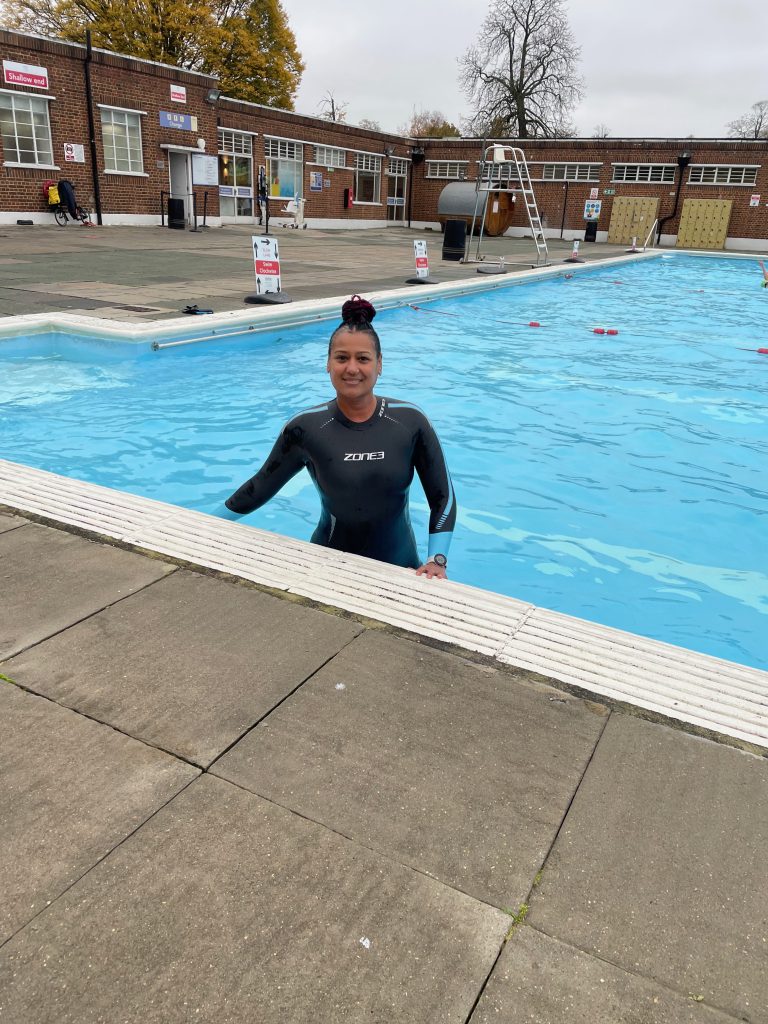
[
  {"x": 92, "y": 126},
  {"x": 682, "y": 162},
  {"x": 417, "y": 157}
]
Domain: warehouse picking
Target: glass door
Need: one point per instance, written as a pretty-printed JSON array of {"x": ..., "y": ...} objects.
[{"x": 396, "y": 178}]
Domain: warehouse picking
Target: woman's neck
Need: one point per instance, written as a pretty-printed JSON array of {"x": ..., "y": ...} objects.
[{"x": 358, "y": 410}]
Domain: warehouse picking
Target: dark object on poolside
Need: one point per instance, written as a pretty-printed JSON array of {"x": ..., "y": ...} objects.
[
  {"x": 267, "y": 298},
  {"x": 177, "y": 217},
  {"x": 421, "y": 280},
  {"x": 67, "y": 196},
  {"x": 195, "y": 310},
  {"x": 25, "y": 223},
  {"x": 454, "y": 240}
]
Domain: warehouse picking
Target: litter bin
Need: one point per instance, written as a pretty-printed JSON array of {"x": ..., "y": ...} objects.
[
  {"x": 454, "y": 239},
  {"x": 176, "y": 218},
  {"x": 590, "y": 232}
]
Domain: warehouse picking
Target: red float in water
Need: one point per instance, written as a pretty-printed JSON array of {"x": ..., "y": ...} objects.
[
  {"x": 534, "y": 323},
  {"x": 612, "y": 331},
  {"x": 598, "y": 330}
]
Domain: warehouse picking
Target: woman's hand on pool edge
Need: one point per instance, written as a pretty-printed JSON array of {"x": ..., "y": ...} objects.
[{"x": 432, "y": 570}]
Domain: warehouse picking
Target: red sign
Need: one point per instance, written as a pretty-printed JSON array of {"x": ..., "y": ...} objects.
[
  {"x": 25, "y": 74},
  {"x": 422, "y": 261},
  {"x": 271, "y": 268}
]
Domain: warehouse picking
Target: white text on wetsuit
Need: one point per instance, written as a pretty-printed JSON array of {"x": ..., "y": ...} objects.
[{"x": 363, "y": 456}]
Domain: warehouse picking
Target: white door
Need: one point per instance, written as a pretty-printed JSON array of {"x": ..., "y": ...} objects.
[{"x": 181, "y": 186}]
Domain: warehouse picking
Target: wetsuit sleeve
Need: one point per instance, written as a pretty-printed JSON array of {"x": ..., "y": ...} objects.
[
  {"x": 436, "y": 481},
  {"x": 284, "y": 462}
]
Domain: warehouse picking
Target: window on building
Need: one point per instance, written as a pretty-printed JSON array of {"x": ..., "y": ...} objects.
[
  {"x": 397, "y": 165},
  {"x": 451, "y": 170},
  {"x": 648, "y": 173},
  {"x": 722, "y": 174},
  {"x": 330, "y": 156},
  {"x": 569, "y": 172},
  {"x": 121, "y": 139},
  {"x": 235, "y": 173},
  {"x": 231, "y": 141},
  {"x": 285, "y": 168},
  {"x": 367, "y": 178},
  {"x": 26, "y": 129}
]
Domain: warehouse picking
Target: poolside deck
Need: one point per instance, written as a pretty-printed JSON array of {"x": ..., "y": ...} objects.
[{"x": 228, "y": 800}]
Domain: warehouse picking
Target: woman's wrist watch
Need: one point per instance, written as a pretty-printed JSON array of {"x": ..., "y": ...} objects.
[{"x": 440, "y": 560}]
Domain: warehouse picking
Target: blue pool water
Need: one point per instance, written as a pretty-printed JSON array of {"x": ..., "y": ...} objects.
[{"x": 617, "y": 478}]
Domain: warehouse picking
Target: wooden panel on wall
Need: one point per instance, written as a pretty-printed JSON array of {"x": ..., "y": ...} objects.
[
  {"x": 632, "y": 217},
  {"x": 704, "y": 224}
]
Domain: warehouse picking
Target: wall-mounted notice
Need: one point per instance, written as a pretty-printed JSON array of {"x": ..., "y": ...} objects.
[
  {"x": 74, "y": 153},
  {"x": 30, "y": 75},
  {"x": 754, "y": 200},
  {"x": 179, "y": 93},
  {"x": 205, "y": 169}
]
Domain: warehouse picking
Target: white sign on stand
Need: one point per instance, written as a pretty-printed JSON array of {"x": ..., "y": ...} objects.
[
  {"x": 422, "y": 259},
  {"x": 266, "y": 264}
]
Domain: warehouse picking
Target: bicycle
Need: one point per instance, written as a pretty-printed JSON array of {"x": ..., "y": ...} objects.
[{"x": 59, "y": 209}]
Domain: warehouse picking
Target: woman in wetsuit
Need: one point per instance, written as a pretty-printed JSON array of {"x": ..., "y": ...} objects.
[{"x": 361, "y": 450}]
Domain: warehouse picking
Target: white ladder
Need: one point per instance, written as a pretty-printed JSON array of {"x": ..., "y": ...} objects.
[{"x": 532, "y": 209}]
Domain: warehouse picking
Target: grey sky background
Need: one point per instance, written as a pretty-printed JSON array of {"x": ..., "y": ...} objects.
[{"x": 656, "y": 68}]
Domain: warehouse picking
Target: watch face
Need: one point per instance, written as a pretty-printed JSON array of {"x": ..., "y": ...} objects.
[{"x": 440, "y": 560}]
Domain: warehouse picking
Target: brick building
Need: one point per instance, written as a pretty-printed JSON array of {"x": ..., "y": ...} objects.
[{"x": 128, "y": 133}]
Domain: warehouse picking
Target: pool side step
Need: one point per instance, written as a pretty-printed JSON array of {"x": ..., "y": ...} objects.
[{"x": 705, "y": 692}]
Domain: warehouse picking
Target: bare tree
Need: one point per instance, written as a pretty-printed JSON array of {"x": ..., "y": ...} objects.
[
  {"x": 370, "y": 124},
  {"x": 753, "y": 125},
  {"x": 429, "y": 124},
  {"x": 601, "y": 131},
  {"x": 332, "y": 109},
  {"x": 521, "y": 74}
]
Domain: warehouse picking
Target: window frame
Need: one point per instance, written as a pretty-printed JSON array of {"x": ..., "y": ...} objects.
[
  {"x": 728, "y": 170},
  {"x": 335, "y": 152},
  {"x": 444, "y": 168},
  {"x": 665, "y": 177},
  {"x": 37, "y": 164},
  {"x": 279, "y": 151},
  {"x": 105, "y": 108},
  {"x": 572, "y": 171},
  {"x": 368, "y": 165}
]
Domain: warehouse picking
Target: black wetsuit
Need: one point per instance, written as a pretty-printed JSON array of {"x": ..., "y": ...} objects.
[{"x": 363, "y": 472}]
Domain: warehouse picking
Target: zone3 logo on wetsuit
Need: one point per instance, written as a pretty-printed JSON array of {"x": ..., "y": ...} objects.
[{"x": 363, "y": 493}]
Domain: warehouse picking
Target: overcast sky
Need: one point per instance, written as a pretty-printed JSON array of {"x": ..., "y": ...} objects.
[{"x": 656, "y": 68}]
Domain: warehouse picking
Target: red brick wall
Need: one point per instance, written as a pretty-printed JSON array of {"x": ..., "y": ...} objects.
[
  {"x": 129, "y": 83},
  {"x": 746, "y": 221}
]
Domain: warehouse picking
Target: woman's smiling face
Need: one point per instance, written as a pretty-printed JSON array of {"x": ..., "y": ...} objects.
[{"x": 353, "y": 364}]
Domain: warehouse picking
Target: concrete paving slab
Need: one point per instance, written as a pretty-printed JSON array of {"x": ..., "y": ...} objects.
[
  {"x": 225, "y": 909},
  {"x": 51, "y": 579},
  {"x": 542, "y": 980},
  {"x": 188, "y": 665},
  {"x": 11, "y": 522},
  {"x": 660, "y": 867},
  {"x": 461, "y": 771},
  {"x": 72, "y": 790}
]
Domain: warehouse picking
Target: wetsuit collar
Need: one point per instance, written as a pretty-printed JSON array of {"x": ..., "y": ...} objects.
[{"x": 339, "y": 416}]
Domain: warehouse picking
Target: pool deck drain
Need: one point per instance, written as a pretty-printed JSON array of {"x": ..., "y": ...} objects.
[{"x": 705, "y": 693}]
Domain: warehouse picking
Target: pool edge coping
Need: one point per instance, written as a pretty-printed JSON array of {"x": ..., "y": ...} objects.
[{"x": 707, "y": 695}]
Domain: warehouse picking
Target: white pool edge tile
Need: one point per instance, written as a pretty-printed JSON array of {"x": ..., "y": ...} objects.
[{"x": 702, "y": 691}]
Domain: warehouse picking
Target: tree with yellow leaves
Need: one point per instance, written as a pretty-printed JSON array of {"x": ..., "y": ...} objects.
[{"x": 247, "y": 44}]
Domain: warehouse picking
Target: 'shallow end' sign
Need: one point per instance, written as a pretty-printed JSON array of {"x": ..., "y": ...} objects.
[{"x": 25, "y": 74}]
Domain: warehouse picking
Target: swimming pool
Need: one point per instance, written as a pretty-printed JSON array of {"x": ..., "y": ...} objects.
[{"x": 618, "y": 478}]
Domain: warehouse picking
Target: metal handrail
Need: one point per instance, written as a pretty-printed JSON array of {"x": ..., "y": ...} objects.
[{"x": 650, "y": 233}]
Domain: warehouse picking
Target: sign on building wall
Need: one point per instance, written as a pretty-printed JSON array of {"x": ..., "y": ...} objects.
[
  {"x": 266, "y": 264},
  {"x": 205, "y": 169},
  {"x": 594, "y": 193},
  {"x": 74, "y": 153},
  {"x": 315, "y": 181},
  {"x": 25, "y": 74},
  {"x": 754, "y": 200},
  {"x": 170, "y": 119},
  {"x": 592, "y": 209},
  {"x": 179, "y": 93}
]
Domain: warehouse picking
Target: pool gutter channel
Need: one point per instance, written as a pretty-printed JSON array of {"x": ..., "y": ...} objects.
[
  {"x": 708, "y": 695},
  {"x": 162, "y": 334}
]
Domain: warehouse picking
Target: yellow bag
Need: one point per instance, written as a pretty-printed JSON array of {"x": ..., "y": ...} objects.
[{"x": 53, "y": 195}]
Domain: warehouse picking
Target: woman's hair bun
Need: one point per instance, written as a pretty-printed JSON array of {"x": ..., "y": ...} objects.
[{"x": 357, "y": 311}]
